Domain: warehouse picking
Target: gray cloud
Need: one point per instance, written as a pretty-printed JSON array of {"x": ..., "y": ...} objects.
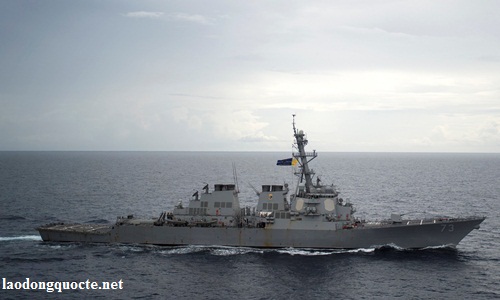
[
  {"x": 144, "y": 14},
  {"x": 363, "y": 76}
]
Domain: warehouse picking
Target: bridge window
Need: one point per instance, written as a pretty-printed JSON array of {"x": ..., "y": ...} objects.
[{"x": 277, "y": 188}]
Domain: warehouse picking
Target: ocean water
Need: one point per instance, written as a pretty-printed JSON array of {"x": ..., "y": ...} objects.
[{"x": 43, "y": 187}]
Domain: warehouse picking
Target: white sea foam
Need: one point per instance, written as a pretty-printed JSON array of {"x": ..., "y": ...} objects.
[
  {"x": 391, "y": 246},
  {"x": 315, "y": 252},
  {"x": 447, "y": 246},
  {"x": 126, "y": 248},
  {"x": 20, "y": 238},
  {"x": 361, "y": 250},
  {"x": 304, "y": 252},
  {"x": 183, "y": 250},
  {"x": 62, "y": 247},
  {"x": 228, "y": 250}
]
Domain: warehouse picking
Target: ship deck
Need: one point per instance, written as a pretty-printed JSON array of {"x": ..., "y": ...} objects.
[
  {"x": 388, "y": 223},
  {"x": 81, "y": 228}
]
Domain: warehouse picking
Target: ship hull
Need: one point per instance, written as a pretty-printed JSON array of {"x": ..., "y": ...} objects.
[{"x": 405, "y": 235}]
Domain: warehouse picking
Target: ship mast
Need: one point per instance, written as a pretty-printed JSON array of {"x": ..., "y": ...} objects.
[{"x": 302, "y": 155}]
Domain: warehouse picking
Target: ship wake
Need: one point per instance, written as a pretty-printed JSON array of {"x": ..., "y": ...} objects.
[{"x": 20, "y": 238}]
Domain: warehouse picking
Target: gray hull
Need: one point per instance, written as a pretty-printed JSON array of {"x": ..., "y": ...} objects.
[{"x": 411, "y": 234}]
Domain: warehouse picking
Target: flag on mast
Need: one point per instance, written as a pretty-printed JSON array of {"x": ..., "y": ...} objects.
[{"x": 286, "y": 162}]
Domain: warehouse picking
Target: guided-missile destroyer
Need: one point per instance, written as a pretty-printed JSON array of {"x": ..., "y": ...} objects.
[{"x": 313, "y": 215}]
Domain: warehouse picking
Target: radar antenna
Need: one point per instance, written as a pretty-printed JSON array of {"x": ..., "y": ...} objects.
[{"x": 302, "y": 156}]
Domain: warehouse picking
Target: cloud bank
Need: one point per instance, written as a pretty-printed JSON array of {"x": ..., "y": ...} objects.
[{"x": 226, "y": 76}]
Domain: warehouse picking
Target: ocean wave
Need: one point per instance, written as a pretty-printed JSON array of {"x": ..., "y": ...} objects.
[
  {"x": 31, "y": 259},
  {"x": 133, "y": 248},
  {"x": 361, "y": 250},
  {"x": 181, "y": 250},
  {"x": 303, "y": 252},
  {"x": 212, "y": 250},
  {"x": 389, "y": 247},
  {"x": 393, "y": 247},
  {"x": 445, "y": 247},
  {"x": 65, "y": 246},
  {"x": 229, "y": 251},
  {"x": 317, "y": 252},
  {"x": 233, "y": 250},
  {"x": 20, "y": 238},
  {"x": 11, "y": 217}
]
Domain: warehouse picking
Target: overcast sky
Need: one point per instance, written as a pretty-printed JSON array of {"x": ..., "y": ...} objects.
[{"x": 420, "y": 76}]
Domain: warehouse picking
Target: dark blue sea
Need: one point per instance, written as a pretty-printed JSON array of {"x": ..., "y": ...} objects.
[{"x": 44, "y": 187}]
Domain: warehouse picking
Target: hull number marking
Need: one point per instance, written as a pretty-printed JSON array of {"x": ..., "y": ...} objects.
[{"x": 447, "y": 227}]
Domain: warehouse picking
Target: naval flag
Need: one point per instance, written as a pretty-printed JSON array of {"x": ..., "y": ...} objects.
[{"x": 286, "y": 162}]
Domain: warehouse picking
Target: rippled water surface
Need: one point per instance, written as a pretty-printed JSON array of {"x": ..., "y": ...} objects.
[{"x": 44, "y": 187}]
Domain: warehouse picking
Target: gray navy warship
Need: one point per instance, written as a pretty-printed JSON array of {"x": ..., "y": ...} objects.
[{"x": 312, "y": 216}]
